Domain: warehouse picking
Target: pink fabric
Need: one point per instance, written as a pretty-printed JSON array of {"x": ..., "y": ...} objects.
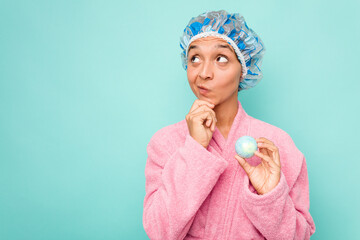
[{"x": 198, "y": 193}]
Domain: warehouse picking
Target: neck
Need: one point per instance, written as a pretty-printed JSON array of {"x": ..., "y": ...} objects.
[{"x": 226, "y": 112}]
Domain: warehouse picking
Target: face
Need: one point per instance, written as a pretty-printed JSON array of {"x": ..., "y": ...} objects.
[{"x": 213, "y": 64}]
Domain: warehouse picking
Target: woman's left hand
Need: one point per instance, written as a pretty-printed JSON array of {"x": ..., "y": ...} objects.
[{"x": 265, "y": 176}]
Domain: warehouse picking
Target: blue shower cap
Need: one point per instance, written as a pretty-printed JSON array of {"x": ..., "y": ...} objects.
[{"x": 231, "y": 27}]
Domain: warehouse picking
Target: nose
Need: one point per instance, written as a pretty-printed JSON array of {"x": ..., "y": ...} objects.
[{"x": 206, "y": 70}]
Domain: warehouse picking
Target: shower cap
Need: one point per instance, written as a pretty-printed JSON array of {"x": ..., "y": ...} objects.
[{"x": 231, "y": 27}]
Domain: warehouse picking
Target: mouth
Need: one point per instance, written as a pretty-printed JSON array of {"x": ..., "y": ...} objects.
[{"x": 203, "y": 90}]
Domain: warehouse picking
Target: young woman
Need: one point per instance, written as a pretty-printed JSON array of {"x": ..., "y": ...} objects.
[{"x": 197, "y": 187}]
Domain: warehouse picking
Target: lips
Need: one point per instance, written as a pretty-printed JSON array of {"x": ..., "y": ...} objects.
[{"x": 204, "y": 88}]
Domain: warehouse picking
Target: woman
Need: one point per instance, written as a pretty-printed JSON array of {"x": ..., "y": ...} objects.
[{"x": 197, "y": 187}]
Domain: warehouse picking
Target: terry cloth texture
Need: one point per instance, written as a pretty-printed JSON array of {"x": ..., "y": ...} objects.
[{"x": 194, "y": 192}]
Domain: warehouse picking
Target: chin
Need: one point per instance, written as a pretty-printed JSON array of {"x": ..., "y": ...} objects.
[{"x": 208, "y": 99}]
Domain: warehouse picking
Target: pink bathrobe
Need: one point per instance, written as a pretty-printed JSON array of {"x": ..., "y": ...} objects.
[{"x": 194, "y": 192}]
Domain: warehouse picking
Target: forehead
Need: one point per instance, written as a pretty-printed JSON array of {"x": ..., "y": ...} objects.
[{"x": 210, "y": 41}]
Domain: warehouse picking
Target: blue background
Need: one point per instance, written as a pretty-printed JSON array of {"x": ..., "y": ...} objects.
[{"x": 85, "y": 84}]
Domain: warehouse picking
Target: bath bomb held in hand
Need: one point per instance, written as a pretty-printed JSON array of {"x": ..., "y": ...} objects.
[{"x": 246, "y": 146}]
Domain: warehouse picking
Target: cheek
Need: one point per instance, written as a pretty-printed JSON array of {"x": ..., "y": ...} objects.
[
  {"x": 191, "y": 75},
  {"x": 229, "y": 79}
]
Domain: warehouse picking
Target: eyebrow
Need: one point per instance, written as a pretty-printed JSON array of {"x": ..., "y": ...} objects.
[{"x": 217, "y": 46}]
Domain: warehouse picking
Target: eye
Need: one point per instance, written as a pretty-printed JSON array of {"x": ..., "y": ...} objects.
[
  {"x": 222, "y": 57},
  {"x": 193, "y": 58}
]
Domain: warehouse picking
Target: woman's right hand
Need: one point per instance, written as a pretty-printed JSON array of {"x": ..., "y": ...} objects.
[{"x": 201, "y": 121}]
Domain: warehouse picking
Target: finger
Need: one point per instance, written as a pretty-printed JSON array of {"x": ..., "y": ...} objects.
[
  {"x": 197, "y": 107},
  {"x": 270, "y": 146},
  {"x": 204, "y": 109},
  {"x": 270, "y": 149},
  {"x": 267, "y": 146},
  {"x": 277, "y": 158},
  {"x": 263, "y": 151},
  {"x": 202, "y": 117},
  {"x": 245, "y": 165},
  {"x": 265, "y": 158},
  {"x": 197, "y": 103},
  {"x": 206, "y": 116},
  {"x": 214, "y": 125},
  {"x": 274, "y": 155},
  {"x": 209, "y": 122},
  {"x": 267, "y": 151},
  {"x": 265, "y": 140}
]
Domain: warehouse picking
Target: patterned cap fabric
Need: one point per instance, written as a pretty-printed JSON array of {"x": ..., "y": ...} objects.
[{"x": 231, "y": 27}]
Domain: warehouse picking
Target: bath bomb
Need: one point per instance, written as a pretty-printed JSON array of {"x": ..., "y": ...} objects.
[{"x": 245, "y": 146}]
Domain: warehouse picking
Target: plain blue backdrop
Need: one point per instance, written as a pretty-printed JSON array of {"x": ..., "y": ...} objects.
[{"x": 85, "y": 84}]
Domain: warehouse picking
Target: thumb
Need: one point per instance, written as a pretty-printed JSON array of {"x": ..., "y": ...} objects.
[{"x": 244, "y": 164}]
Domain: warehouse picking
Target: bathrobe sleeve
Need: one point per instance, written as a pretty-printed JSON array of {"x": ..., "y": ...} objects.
[
  {"x": 282, "y": 213},
  {"x": 176, "y": 186}
]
